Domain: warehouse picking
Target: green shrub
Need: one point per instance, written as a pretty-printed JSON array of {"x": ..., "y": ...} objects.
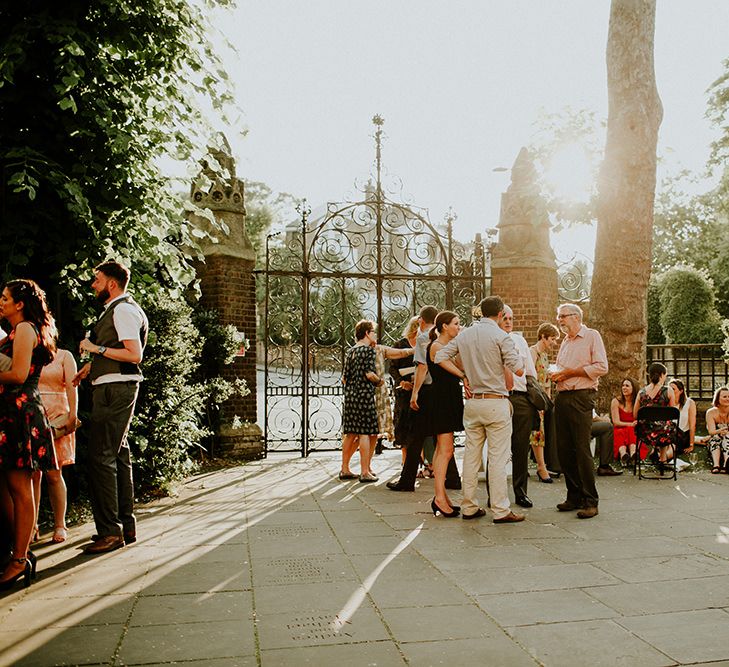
[
  {"x": 655, "y": 330},
  {"x": 688, "y": 311},
  {"x": 181, "y": 382}
]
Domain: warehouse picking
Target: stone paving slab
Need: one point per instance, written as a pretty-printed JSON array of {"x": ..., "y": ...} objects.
[
  {"x": 685, "y": 636},
  {"x": 533, "y": 608},
  {"x": 383, "y": 653},
  {"x": 495, "y": 650},
  {"x": 596, "y": 643},
  {"x": 278, "y": 563},
  {"x": 665, "y": 568},
  {"x": 167, "y": 643}
]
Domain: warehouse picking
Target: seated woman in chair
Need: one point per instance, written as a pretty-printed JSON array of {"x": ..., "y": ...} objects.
[
  {"x": 657, "y": 436},
  {"x": 621, "y": 413},
  {"x": 687, "y": 421},
  {"x": 717, "y": 424}
]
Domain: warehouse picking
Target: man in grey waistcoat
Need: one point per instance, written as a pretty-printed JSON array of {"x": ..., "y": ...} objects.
[{"x": 116, "y": 346}]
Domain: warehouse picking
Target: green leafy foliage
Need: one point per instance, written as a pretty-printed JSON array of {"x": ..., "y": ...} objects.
[
  {"x": 719, "y": 271},
  {"x": 181, "y": 390},
  {"x": 655, "y": 331},
  {"x": 264, "y": 210},
  {"x": 688, "y": 314},
  {"x": 718, "y": 113},
  {"x": 583, "y": 132},
  {"x": 92, "y": 96},
  {"x": 685, "y": 227}
]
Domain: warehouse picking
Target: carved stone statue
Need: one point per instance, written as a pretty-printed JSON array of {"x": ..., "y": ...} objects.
[
  {"x": 219, "y": 194},
  {"x": 523, "y": 221}
]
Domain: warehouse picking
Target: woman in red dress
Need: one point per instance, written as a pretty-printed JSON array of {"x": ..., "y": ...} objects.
[{"x": 621, "y": 412}]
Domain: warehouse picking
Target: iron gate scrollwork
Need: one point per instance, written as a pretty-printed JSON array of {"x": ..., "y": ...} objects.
[{"x": 375, "y": 258}]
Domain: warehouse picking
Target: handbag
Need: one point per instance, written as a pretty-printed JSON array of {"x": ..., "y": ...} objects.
[
  {"x": 60, "y": 428},
  {"x": 6, "y": 362},
  {"x": 537, "y": 396}
]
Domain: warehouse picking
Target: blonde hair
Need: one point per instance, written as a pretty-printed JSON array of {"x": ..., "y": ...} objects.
[{"x": 411, "y": 327}]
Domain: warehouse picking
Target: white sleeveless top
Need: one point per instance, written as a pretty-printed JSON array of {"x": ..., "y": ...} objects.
[{"x": 683, "y": 421}]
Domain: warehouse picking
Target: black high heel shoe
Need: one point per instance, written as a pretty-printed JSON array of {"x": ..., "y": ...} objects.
[
  {"x": 33, "y": 560},
  {"x": 24, "y": 573},
  {"x": 447, "y": 515}
]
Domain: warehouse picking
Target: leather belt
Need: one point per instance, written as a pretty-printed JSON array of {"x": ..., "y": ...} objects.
[{"x": 487, "y": 396}]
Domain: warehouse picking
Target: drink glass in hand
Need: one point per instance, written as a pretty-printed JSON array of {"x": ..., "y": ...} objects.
[
  {"x": 85, "y": 354},
  {"x": 552, "y": 369}
]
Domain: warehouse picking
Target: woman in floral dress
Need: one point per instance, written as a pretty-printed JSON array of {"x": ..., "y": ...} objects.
[
  {"x": 26, "y": 440},
  {"x": 359, "y": 419},
  {"x": 717, "y": 424},
  {"x": 547, "y": 337},
  {"x": 657, "y": 436}
]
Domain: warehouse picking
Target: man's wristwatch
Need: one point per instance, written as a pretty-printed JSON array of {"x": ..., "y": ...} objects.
[{"x": 102, "y": 350}]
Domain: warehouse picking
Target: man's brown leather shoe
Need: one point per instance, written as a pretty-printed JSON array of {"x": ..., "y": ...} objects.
[
  {"x": 104, "y": 544},
  {"x": 587, "y": 513},
  {"x": 510, "y": 518},
  {"x": 567, "y": 506},
  {"x": 129, "y": 536}
]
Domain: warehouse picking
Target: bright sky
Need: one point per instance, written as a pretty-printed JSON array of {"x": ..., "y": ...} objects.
[{"x": 460, "y": 85}]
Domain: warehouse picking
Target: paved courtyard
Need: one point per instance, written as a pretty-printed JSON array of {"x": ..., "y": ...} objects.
[{"x": 277, "y": 563}]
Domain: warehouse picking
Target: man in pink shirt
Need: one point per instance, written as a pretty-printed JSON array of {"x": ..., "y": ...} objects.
[{"x": 581, "y": 361}]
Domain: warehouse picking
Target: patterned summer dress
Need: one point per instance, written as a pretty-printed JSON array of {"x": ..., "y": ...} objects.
[
  {"x": 26, "y": 439},
  {"x": 654, "y": 434},
  {"x": 52, "y": 387},
  {"x": 536, "y": 438},
  {"x": 720, "y": 442},
  {"x": 360, "y": 414}
]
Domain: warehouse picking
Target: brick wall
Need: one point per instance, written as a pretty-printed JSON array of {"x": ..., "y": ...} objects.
[
  {"x": 228, "y": 286},
  {"x": 531, "y": 293}
]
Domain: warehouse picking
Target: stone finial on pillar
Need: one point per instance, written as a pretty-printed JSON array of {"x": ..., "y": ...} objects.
[
  {"x": 228, "y": 286},
  {"x": 523, "y": 267}
]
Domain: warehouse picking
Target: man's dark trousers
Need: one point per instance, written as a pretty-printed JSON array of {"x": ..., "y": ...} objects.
[
  {"x": 414, "y": 448},
  {"x": 110, "y": 465},
  {"x": 523, "y": 417},
  {"x": 551, "y": 457},
  {"x": 573, "y": 414},
  {"x": 603, "y": 432}
]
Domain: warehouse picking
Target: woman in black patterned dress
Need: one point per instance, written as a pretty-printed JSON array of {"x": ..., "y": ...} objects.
[
  {"x": 657, "y": 436},
  {"x": 359, "y": 420},
  {"x": 26, "y": 440}
]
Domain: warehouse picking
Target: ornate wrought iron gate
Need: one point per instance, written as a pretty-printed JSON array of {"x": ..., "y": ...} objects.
[{"x": 374, "y": 258}]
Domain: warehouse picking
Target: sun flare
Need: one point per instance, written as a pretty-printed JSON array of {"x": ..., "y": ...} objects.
[{"x": 569, "y": 173}]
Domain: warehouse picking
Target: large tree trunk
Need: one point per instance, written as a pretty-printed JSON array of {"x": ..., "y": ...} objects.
[{"x": 627, "y": 186}]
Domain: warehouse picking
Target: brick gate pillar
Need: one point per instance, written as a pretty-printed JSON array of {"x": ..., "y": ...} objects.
[
  {"x": 228, "y": 286},
  {"x": 523, "y": 267}
]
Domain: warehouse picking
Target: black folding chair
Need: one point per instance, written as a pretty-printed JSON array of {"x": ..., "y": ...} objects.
[{"x": 656, "y": 413}]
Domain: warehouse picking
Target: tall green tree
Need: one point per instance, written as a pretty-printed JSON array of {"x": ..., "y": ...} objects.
[{"x": 93, "y": 96}]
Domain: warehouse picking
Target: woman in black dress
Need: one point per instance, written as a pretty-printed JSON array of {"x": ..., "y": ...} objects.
[
  {"x": 26, "y": 440},
  {"x": 447, "y": 401}
]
